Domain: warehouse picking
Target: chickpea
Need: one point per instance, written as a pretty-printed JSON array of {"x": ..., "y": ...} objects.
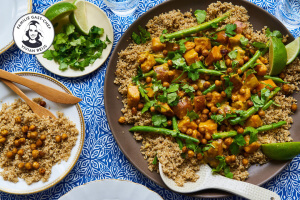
[
  {"x": 165, "y": 52},
  {"x": 195, "y": 86},
  {"x": 140, "y": 106},
  {"x": 240, "y": 130},
  {"x": 171, "y": 73},
  {"x": 261, "y": 113},
  {"x": 205, "y": 52},
  {"x": 234, "y": 98},
  {"x": 184, "y": 149},
  {"x": 22, "y": 140},
  {"x": 228, "y": 141},
  {"x": 15, "y": 150},
  {"x": 64, "y": 136},
  {"x": 43, "y": 103},
  {"x": 42, "y": 154},
  {"x": 245, "y": 161},
  {"x": 242, "y": 91},
  {"x": 282, "y": 75},
  {"x": 148, "y": 79},
  {"x": 218, "y": 83},
  {"x": 254, "y": 91},
  {"x": 175, "y": 47},
  {"x": 166, "y": 84},
  {"x": 199, "y": 156},
  {"x": 121, "y": 121},
  {"x": 206, "y": 77},
  {"x": 39, "y": 143},
  {"x": 222, "y": 77},
  {"x": 246, "y": 58},
  {"x": 233, "y": 158},
  {"x": 28, "y": 166},
  {"x": 133, "y": 110},
  {"x": 152, "y": 109},
  {"x": 252, "y": 51},
  {"x": 18, "y": 120},
  {"x": 250, "y": 103},
  {"x": 33, "y": 146},
  {"x": 207, "y": 136},
  {"x": 21, "y": 152},
  {"x": 189, "y": 131},
  {"x": 211, "y": 67},
  {"x": 201, "y": 58},
  {"x": 24, "y": 129},
  {"x": 42, "y": 171},
  {"x": 294, "y": 107},
  {"x": 241, "y": 62},
  {"x": 228, "y": 62},
  {"x": 33, "y": 135},
  {"x": 35, "y": 154},
  {"x": 239, "y": 71},
  {"x": 203, "y": 117},
  {"x": 35, "y": 165},
  {"x": 184, "y": 129},
  {"x": 198, "y": 134},
  {"x": 10, "y": 154},
  {"x": 4, "y": 133},
  {"x": 214, "y": 109},
  {"x": 21, "y": 165},
  {"x": 191, "y": 153},
  {"x": 201, "y": 130},
  {"x": 198, "y": 121},
  {"x": 248, "y": 37},
  {"x": 223, "y": 94},
  {"x": 229, "y": 70},
  {"x": 206, "y": 84},
  {"x": 170, "y": 63},
  {"x": 43, "y": 137},
  {"x": 17, "y": 143},
  {"x": 198, "y": 93},
  {"x": 286, "y": 88},
  {"x": 204, "y": 141},
  {"x": 169, "y": 123},
  {"x": 32, "y": 128},
  {"x": 29, "y": 135},
  {"x": 228, "y": 159},
  {"x": 205, "y": 111},
  {"x": 2, "y": 140},
  {"x": 208, "y": 96},
  {"x": 58, "y": 138}
]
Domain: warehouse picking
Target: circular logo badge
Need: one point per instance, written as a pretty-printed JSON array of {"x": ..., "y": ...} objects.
[{"x": 33, "y": 33}]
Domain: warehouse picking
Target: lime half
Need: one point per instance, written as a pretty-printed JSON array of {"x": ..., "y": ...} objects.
[
  {"x": 79, "y": 19},
  {"x": 292, "y": 50},
  {"x": 281, "y": 151},
  {"x": 59, "y": 10},
  {"x": 277, "y": 55}
]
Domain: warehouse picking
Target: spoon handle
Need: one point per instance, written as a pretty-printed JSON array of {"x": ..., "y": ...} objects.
[{"x": 240, "y": 188}]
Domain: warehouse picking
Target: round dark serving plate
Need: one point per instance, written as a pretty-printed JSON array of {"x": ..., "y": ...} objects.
[{"x": 130, "y": 147}]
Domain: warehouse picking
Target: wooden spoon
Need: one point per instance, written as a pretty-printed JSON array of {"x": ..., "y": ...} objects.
[{"x": 39, "y": 110}]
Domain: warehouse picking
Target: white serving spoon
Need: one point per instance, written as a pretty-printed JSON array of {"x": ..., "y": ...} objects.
[{"x": 208, "y": 180}]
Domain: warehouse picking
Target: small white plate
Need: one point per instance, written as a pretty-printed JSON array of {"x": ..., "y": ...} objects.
[
  {"x": 59, "y": 171},
  {"x": 95, "y": 17},
  {"x": 10, "y": 12},
  {"x": 111, "y": 189}
]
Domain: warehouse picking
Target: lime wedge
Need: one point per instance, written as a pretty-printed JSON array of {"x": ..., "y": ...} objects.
[
  {"x": 292, "y": 50},
  {"x": 59, "y": 10},
  {"x": 277, "y": 55},
  {"x": 79, "y": 19},
  {"x": 281, "y": 151}
]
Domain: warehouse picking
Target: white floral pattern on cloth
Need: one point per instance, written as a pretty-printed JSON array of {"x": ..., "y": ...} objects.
[{"x": 101, "y": 157}]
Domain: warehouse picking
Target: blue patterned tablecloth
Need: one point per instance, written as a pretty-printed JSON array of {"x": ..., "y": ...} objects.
[{"x": 101, "y": 157}]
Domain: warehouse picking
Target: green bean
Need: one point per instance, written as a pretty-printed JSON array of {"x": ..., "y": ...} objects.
[
  {"x": 274, "y": 92},
  {"x": 151, "y": 73},
  {"x": 162, "y": 131},
  {"x": 196, "y": 29},
  {"x": 247, "y": 114},
  {"x": 210, "y": 72},
  {"x": 267, "y": 105},
  {"x": 251, "y": 61},
  {"x": 271, "y": 126},
  {"x": 210, "y": 89},
  {"x": 223, "y": 135},
  {"x": 174, "y": 124},
  {"x": 160, "y": 60},
  {"x": 275, "y": 79}
]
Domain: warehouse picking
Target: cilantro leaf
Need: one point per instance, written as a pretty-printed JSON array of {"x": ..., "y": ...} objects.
[
  {"x": 244, "y": 41},
  {"x": 192, "y": 115},
  {"x": 69, "y": 29},
  {"x": 237, "y": 142},
  {"x": 259, "y": 45},
  {"x": 188, "y": 88},
  {"x": 233, "y": 54},
  {"x": 218, "y": 118},
  {"x": 136, "y": 38},
  {"x": 162, "y": 38},
  {"x": 200, "y": 15},
  {"x": 179, "y": 142},
  {"x": 275, "y": 33},
  {"x": 154, "y": 162},
  {"x": 191, "y": 145},
  {"x": 48, "y": 55},
  {"x": 159, "y": 120},
  {"x": 145, "y": 35},
  {"x": 220, "y": 66},
  {"x": 173, "y": 99},
  {"x": 223, "y": 166},
  {"x": 253, "y": 134},
  {"x": 229, "y": 30},
  {"x": 173, "y": 88},
  {"x": 147, "y": 105},
  {"x": 234, "y": 148},
  {"x": 108, "y": 40}
]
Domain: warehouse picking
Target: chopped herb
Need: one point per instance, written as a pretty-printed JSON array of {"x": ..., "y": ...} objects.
[
  {"x": 229, "y": 87},
  {"x": 207, "y": 147},
  {"x": 192, "y": 115},
  {"x": 218, "y": 105},
  {"x": 253, "y": 134},
  {"x": 275, "y": 33},
  {"x": 136, "y": 38},
  {"x": 148, "y": 105},
  {"x": 108, "y": 40},
  {"x": 173, "y": 99},
  {"x": 259, "y": 45},
  {"x": 223, "y": 166},
  {"x": 200, "y": 15},
  {"x": 237, "y": 142},
  {"x": 159, "y": 120},
  {"x": 143, "y": 37},
  {"x": 162, "y": 38},
  {"x": 154, "y": 162},
  {"x": 179, "y": 142},
  {"x": 234, "y": 63},
  {"x": 229, "y": 30},
  {"x": 220, "y": 118},
  {"x": 233, "y": 54},
  {"x": 188, "y": 88},
  {"x": 173, "y": 88},
  {"x": 244, "y": 41}
]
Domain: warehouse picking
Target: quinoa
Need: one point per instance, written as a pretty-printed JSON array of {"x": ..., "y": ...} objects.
[
  {"x": 54, "y": 151},
  {"x": 165, "y": 148}
]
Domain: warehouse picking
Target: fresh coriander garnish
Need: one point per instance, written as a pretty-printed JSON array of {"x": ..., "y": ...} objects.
[{"x": 142, "y": 37}]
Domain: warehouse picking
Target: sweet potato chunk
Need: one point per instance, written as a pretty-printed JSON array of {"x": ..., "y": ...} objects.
[
  {"x": 222, "y": 37},
  {"x": 189, "y": 45},
  {"x": 235, "y": 41},
  {"x": 165, "y": 109},
  {"x": 150, "y": 92},
  {"x": 210, "y": 155},
  {"x": 133, "y": 95},
  {"x": 266, "y": 83},
  {"x": 162, "y": 72},
  {"x": 186, "y": 122},
  {"x": 240, "y": 26},
  {"x": 254, "y": 121},
  {"x": 261, "y": 69},
  {"x": 251, "y": 81},
  {"x": 210, "y": 126},
  {"x": 237, "y": 82},
  {"x": 191, "y": 56},
  {"x": 147, "y": 65},
  {"x": 216, "y": 97},
  {"x": 157, "y": 45},
  {"x": 182, "y": 107},
  {"x": 199, "y": 103},
  {"x": 202, "y": 43},
  {"x": 214, "y": 55}
]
